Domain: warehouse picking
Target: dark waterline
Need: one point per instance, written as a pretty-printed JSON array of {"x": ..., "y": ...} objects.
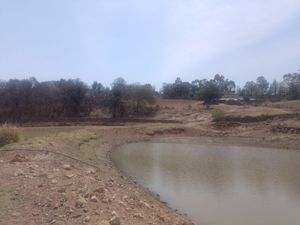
[{"x": 219, "y": 185}]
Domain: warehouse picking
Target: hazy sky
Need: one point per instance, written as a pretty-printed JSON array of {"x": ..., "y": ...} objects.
[{"x": 150, "y": 41}]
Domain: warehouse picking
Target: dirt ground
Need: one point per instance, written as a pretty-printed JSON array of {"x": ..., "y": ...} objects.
[{"x": 64, "y": 175}]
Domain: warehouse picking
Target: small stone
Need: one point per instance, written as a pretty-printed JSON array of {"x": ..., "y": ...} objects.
[
  {"x": 115, "y": 220},
  {"x": 146, "y": 205},
  {"x": 16, "y": 214},
  {"x": 35, "y": 214},
  {"x": 80, "y": 202},
  {"x": 138, "y": 215},
  {"x": 19, "y": 172},
  {"x": 87, "y": 219},
  {"x": 56, "y": 206},
  {"x": 100, "y": 190},
  {"x": 90, "y": 171},
  {"x": 19, "y": 158},
  {"x": 69, "y": 175},
  {"x": 1, "y": 161},
  {"x": 61, "y": 190},
  {"x": 76, "y": 216},
  {"x": 53, "y": 221},
  {"x": 106, "y": 200},
  {"x": 85, "y": 210},
  {"x": 54, "y": 181},
  {"x": 94, "y": 199},
  {"x": 67, "y": 167}
]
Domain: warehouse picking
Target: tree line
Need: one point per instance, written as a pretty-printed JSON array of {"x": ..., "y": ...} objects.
[
  {"x": 211, "y": 90},
  {"x": 206, "y": 90},
  {"x": 31, "y": 100},
  {"x": 261, "y": 89}
]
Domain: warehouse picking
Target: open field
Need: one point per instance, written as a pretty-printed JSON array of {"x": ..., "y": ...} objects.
[
  {"x": 295, "y": 104},
  {"x": 253, "y": 111},
  {"x": 64, "y": 175}
]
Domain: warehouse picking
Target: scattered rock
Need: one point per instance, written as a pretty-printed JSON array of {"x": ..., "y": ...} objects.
[
  {"x": 106, "y": 200},
  {"x": 52, "y": 221},
  {"x": 85, "y": 210},
  {"x": 161, "y": 218},
  {"x": 69, "y": 175},
  {"x": 90, "y": 171},
  {"x": 100, "y": 190},
  {"x": 80, "y": 202},
  {"x": 16, "y": 214},
  {"x": 94, "y": 199},
  {"x": 18, "y": 158},
  {"x": 115, "y": 220},
  {"x": 76, "y": 215},
  {"x": 61, "y": 190},
  {"x": 56, "y": 206},
  {"x": 146, "y": 205},
  {"x": 67, "y": 167},
  {"x": 18, "y": 172},
  {"x": 54, "y": 181},
  {"x": 122, "y": 203},
  {"x": 138, "y": 215},
  {"x": 35, "y": 214},
  {"x": 87, "y": 219},
  {"x": 1, "y": 161}
]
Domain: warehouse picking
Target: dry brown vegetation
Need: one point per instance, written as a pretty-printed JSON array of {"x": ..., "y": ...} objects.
[{"x": 8, "y": 134}]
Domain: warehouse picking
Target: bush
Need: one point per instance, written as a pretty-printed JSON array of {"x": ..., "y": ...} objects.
[
  {"x": 217, "y": 114},
  {"x": 8, "y": 134}
]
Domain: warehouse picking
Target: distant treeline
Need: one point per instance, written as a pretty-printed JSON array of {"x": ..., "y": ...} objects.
[
  {"x": 209, "y": 90},
  {"x": 204, "y": 89},
  {"x": 186, "y": 90},
  {"x": 31, "y": 100},
  {"x": 287, "y": 88}
]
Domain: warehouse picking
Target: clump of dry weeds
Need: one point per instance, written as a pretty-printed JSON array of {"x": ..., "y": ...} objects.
[{"x": 8, "y": 134}]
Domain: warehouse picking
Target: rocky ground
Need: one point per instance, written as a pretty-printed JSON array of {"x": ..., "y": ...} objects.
[{"x": 64, "y": 175}]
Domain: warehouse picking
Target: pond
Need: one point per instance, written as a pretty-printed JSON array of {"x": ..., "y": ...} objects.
[{"x": 218, "y": 185}]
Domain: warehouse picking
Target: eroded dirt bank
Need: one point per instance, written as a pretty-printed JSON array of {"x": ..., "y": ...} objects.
[{"x": 69, "y": 179}]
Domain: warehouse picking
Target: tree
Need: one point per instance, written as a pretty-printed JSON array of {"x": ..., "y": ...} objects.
[
  {"x": 117, "y": 98},
  {"x": 209, "y": 93},
  {"x": 73, "y": 95},
  {"x": 249, "y": 90},
  {"x": 141, "y": 96},
  {"x": 293, "y": 83},
  {"x": 225, "y": 85},
  {"x": 274, "y": 89},
  {"x": 262, "y": 87}
]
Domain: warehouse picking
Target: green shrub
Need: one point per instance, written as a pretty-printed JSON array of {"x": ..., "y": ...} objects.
[
  {"x": 217, "y": 114},
  {"x": 8, "y": 134}
]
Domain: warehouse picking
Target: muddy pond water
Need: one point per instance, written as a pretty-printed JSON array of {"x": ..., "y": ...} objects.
[{"x": 219, "y": 185}]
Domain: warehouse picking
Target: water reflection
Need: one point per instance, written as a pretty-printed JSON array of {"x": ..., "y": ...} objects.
[{"x": 214, "y": 185}]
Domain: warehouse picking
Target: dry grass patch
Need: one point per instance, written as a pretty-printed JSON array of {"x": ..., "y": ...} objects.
[
  {"x": 253, "y": 111},
  {"x": 295, "y": 104},
  {"x": 8, "y": 134},
  {"x": 217, "y": 114}
]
